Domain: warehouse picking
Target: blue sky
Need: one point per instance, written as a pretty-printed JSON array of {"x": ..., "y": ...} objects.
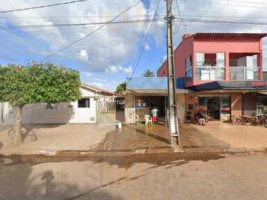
[{"x": 109, "y": 56}]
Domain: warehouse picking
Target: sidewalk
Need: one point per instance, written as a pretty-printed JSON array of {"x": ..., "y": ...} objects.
[
  {"x": 237, "y": 136},
  {"x": 107, "y": 138},
  {"x": 52, "y": 138}
]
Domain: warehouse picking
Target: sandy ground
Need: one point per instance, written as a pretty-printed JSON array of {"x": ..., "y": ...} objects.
[
  {"x": 106, "y": 138},
  {"x": 236, "y": 135},
  {"x": 217, "y": 177},
  {"x": 58, "y": 137}
]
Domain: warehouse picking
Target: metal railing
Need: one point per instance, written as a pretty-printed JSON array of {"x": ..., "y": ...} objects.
[
  {"x": 207, "y": 73},
  {"x": 241, "y": 73}
]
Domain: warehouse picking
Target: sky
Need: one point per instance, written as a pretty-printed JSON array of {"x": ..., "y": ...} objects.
[{"x": 111, "y": 54}]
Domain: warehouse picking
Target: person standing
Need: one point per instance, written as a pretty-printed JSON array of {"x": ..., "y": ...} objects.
[{"x": 154, "y": 113}]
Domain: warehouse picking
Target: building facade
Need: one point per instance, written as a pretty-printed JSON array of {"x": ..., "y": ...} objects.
[
  {"x": 91, "y": 108},
  {"x": 218, "y": 73}
]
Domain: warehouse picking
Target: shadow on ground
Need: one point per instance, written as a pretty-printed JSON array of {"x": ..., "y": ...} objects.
[
  {"x": 46, "y": 186},
  {"x": 16, "y": 183},
  {"x": 157, "y": 159}
]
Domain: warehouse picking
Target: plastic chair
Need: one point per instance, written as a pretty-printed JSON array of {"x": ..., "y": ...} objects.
[
  {"x": 148, "y": 119},
  {"x": 137, "y": 118}
]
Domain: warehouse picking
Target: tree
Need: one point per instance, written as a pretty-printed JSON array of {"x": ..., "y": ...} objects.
[
  {"x": 149, "y": 73},
  {"x": 36, "y": 83},
  {"x": 121, "y": 87}
]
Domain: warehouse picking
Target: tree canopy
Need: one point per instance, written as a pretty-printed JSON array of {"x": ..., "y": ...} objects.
[
  {"x": 148, "y": 73},
  {"x": 121, "y": 87},
  {"x": 38, "y": 83}
]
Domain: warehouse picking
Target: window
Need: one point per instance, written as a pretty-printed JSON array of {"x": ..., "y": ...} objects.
[
  {"x": 210, "y": 59},
  {"x": 51, "y": 106},
  {"x": 84, "y": 103},
  {"x": 188, "y": 65},
  {"x": 210, "y": 66}
]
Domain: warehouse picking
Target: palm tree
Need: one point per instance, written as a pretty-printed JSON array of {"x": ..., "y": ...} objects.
[{"x": 149, "y": 73}]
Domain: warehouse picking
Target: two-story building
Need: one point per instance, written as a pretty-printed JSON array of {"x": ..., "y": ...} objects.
[{"x": 222, "y": 73}]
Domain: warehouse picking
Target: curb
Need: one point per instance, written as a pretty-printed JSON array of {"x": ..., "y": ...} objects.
[{"x": 60, "y": 156}]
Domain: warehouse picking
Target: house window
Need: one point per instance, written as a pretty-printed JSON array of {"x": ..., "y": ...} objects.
[
  {"x": 210, "y": 66},
  {"x": 188, "y": 65},
  {"x": 51, "y": 106},
  {"x": 84, "y": 103}
]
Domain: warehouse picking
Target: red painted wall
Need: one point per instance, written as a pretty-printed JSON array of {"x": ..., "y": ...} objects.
[
  {"x": 190, "y": 45},
  {"x": 184, "y": 50}
]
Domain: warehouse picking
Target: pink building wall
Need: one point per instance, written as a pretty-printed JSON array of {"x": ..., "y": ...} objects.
[
  {"x": 217, "y": 43},
  {"x": 184, "y": 50}
]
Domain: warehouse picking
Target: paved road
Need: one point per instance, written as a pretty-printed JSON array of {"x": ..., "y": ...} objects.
[{"x": 215, "y": 177}]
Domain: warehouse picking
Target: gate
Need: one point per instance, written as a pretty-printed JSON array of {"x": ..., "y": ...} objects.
[{"x": 105, "y": 111}]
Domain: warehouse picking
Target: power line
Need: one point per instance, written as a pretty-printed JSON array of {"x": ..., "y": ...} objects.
[
  {"x": 74, "y": 17},
  {"x": 224, "y": 22},
  {"x": 179, "y": 12},
  {"x": 145, "y": 41},
  {"x": 78, "y": 24},
  {"x": 91, "y": 33},
  {"x": 43, "y": 6},
  {"x": 247, "y": 5},
  {"x": 242, "y": 1}
]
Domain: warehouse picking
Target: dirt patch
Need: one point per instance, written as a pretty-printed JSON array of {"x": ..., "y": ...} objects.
[
  {"x": 192, "y": 137},
  {"x": 134, "y": 137}
]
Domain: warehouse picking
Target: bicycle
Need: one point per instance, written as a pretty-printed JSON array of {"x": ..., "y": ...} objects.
[{"x": 25, "y": 131}]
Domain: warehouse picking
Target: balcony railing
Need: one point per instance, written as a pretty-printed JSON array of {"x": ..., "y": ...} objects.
[
  {"x": 244, "y": 73},
  {"x": 207, "y": 73}
]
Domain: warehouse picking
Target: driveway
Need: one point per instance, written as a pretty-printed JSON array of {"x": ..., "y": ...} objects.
[{"x": 236, "y": 135}]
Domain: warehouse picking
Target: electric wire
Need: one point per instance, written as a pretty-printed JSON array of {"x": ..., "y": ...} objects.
[
  {"x": 145, "y": 41},
  {"x": 43, "y": 6},
  {"x": 90, "y": 33}
]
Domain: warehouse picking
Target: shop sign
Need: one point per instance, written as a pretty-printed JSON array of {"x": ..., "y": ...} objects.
[{"x": 258, "y": 84}]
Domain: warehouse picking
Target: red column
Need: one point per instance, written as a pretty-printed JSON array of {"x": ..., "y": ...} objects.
[
  {"x": 227, "y": 63},
  {"x": 259, "y": 63}
]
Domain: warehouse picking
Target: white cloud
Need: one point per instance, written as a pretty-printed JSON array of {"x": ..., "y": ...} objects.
[
  {"x": 113, "y": 45},
  {"x": 126, "y": 70},
  {"x": 117, "y": 44},
  {"x": 102, "y": 83},
  {"x": 147, "y": 47},
  {"x": 83, "y": 55},
  {"x": 116, "y": 69},
  {"x": 112, "y": 69}
]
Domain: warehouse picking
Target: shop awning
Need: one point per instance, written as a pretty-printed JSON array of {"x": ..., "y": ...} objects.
[
  {"x": 156, "y": 92},
  {"x": 231, "y": 85}
]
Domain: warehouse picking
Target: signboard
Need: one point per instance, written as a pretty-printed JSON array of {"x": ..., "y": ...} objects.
[{"x": 259, "y": 84}]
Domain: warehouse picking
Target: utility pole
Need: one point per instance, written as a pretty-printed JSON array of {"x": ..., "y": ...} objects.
[{"x": 173, "y": 119}]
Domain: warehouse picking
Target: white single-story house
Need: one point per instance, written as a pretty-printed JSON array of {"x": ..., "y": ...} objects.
[{"x": 96, "y": 105}]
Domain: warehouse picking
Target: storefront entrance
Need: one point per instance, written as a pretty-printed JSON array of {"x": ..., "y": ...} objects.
[
  {"x": 216, "y": 107},
  {"x": 144, "y": 105}
]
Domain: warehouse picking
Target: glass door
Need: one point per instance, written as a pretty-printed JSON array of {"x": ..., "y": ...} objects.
[{"x": 225, "y": 108}]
